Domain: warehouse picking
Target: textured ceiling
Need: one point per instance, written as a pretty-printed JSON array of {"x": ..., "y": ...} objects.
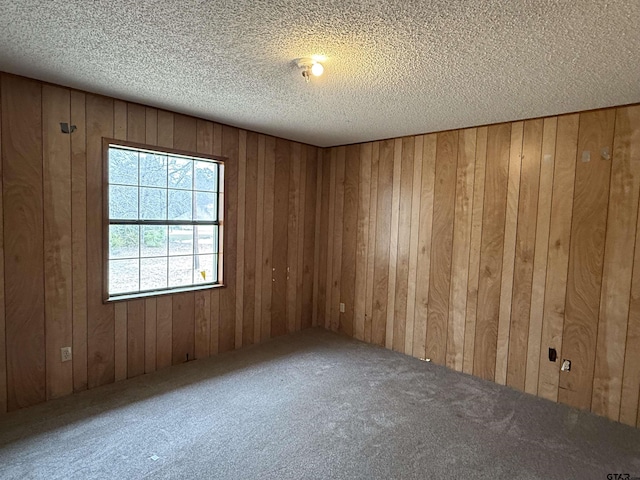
[{"x": 393, "y": 68}]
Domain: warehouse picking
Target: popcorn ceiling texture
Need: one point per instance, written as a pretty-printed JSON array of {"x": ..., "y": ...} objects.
[{"x": 393, "y": 68}]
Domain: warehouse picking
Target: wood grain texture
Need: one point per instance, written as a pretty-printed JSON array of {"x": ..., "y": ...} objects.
[
  {"x": 349, "y": 238},
  {"x": 541, "y": 252},
  {"x": 267, "y": 238},
  {"x": 150, "y": 333},
  {"x": 79, "y": 239},
  {"x": 558, "y": 255},
  {"x": 403, "y": 244},
  {"x": 280, "y": 239},
  {"x": 441, "y": 246},
  {"x": 323, "y": 237},
  {"x": 382, "y": 235},
  {"x": 227, "y": 319},
  {"x": 491, "y": 250},
  {"x": 337, "y": 238},
  {"x": 302, "y": 192},
  {"x": 525, "y": 251},
  {"x": 617, "y": 269},
  {"x": 309, "y": 261},
  {"x": 135, "y": 338},
  {"x": 164, "y": 329},
  {"x": 509, "y": 252},
  {"x": 362, "y": 240},
  {"x": 250, "y": 220},
  {"x": 413, "y": 244},
  {"x": 239, "y": 198},
  {"x": 56, "y": 105},
  {"x": 424, "y": 245},
  {"x": 259, "y": 233},
  {"x": 3, "y": 343},
  {"x": 371, "y": 249},
  {"x": 316, "y": 301},
  {"x": 182, "y": 345},
  {"x": 586, "y": 252},
  {"x": 393, "y": 242},
  {"x": 292, "y": 235},
  {"x": 463, "y": 209},
  {"x": 474, "y": 250},
  {"x": 23, "y": 241},
  {"x": 120, "y": 341}
]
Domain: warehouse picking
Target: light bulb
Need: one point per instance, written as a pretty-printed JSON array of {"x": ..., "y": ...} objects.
[{"x": 317, "y": 69}]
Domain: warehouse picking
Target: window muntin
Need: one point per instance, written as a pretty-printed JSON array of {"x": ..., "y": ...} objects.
[{"x": 164, "y": 225}]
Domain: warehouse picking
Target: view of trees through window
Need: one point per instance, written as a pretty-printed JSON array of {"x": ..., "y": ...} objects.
[{"x": 163, "y": 220}]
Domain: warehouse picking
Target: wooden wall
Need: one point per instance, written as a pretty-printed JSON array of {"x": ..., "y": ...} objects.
[
  {"x": 51, "y": 245},
  {"x": 481, "y": 248}
]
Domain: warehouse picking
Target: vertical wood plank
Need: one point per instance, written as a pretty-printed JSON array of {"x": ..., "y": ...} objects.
[
  {"x": 509, "y": 252},
  {"x": 349, "y": 238},
  {"x": 120, "y": 341},
  {"x": 23, "y": 240},
  {"x": 249, "y": 240},
  {"x": 382, "y": 235},
  {"x": 474, "y": 250},
  {"x": 100, "y": 317},
  {"x": 393, "y": 242},
  {"x": 328, "y": 277},
  {"x": 150, "y": 315},
  {"x": 429, "y": 149},
  {"x": 183, "y": 315},
  {"x": 56, "y": 105},
  {"x": 202, "y": 312},
  {"x": 293, "y": 220},
  {"x": 164, "y": 305},
  {"x": 617, "y": 269},
  {"x": 491, "y": 249},
  {"x": 79, "y": 239},
  {"x": 280, "y": 237},
  {"x": 362, "y": 239},
  {"x": 371, "y": 250},
  {"x": 317, "y": 301},
  {"x": 558, "y": 255},
  {"x": 461, "y": 246},
  {"x": 135, "y": 338},
  {"x": 267, "y": 238},
  {"x": 525, "y": 251},
  {"x": 541, "y": 252},
  {"x": 214, "y": 329},
  {"x": 416, "y": 190},
  {"x": 441, "y": 246},
  {"x": 404, "y": 244},
  {"x": 3, "y": 344},
  {"x": 309, "y": 262},
  {"x": 239, "y": 198},
  {"x": 337, "y": 238},
  {"x": 299, "y": 284},
  {"x": 259, "y": 237},
  {"x": 230, "y": 141},
  {"x": 151, "y": 126},
  {"x": 591, "y": 196},
  {"x": 136, "y": 123}
]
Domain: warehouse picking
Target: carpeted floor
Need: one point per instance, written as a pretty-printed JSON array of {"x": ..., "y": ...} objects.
[{"x": 313, "y": 405}]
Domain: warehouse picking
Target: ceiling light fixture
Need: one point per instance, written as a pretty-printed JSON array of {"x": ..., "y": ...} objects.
[{"x": 310, "y": 67}]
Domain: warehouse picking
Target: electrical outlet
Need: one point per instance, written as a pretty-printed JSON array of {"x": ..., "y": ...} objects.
[
  {"x": 65, "y": 354},
  {"x": 342, "y": 309}
]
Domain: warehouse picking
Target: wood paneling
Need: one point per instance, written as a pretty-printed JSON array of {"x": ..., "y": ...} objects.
[
  {"x": 51, "y": 204},
  {"x": 280, "y": 239},
  {"x": 22, "y": 156},
  {"x": 349, "y": 238}
]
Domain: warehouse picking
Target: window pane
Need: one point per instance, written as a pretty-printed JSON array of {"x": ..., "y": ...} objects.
[
  {"x": 216, "y": 239},
  {"x": 180, "y": 173},
  {"x": 180, "y": 271},
  {"x": 123, "y": 276},
  {"x": 153, "y": 203},
  {"x": 203, "y": 269},
  {"x": 220, "y": 206},
  {"x": 123, "y": 202},
  {"x": 181, "y": 240},
  {"x": 206, "y": 176},
  {"x": 180, "y": 205},
  {"x": 205, "y": 206},
  {"x": 154, "y": 241},
  {"x": 123, "y": 166},
  {"x": 123, "y": 241},
  {"x": 153, "y": 273},
  {"x": 153, "y": 170},
  {"x": 203, "y": 235}
]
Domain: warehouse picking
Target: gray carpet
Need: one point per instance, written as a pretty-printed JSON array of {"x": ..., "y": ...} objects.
[{"x": 311, "y": 405}]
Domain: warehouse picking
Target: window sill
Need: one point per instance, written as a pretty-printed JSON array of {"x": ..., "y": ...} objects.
[{"x": 161, "y": 293}]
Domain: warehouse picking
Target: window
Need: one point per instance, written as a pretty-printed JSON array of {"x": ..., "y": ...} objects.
[{"x": 163, "y": 213}]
